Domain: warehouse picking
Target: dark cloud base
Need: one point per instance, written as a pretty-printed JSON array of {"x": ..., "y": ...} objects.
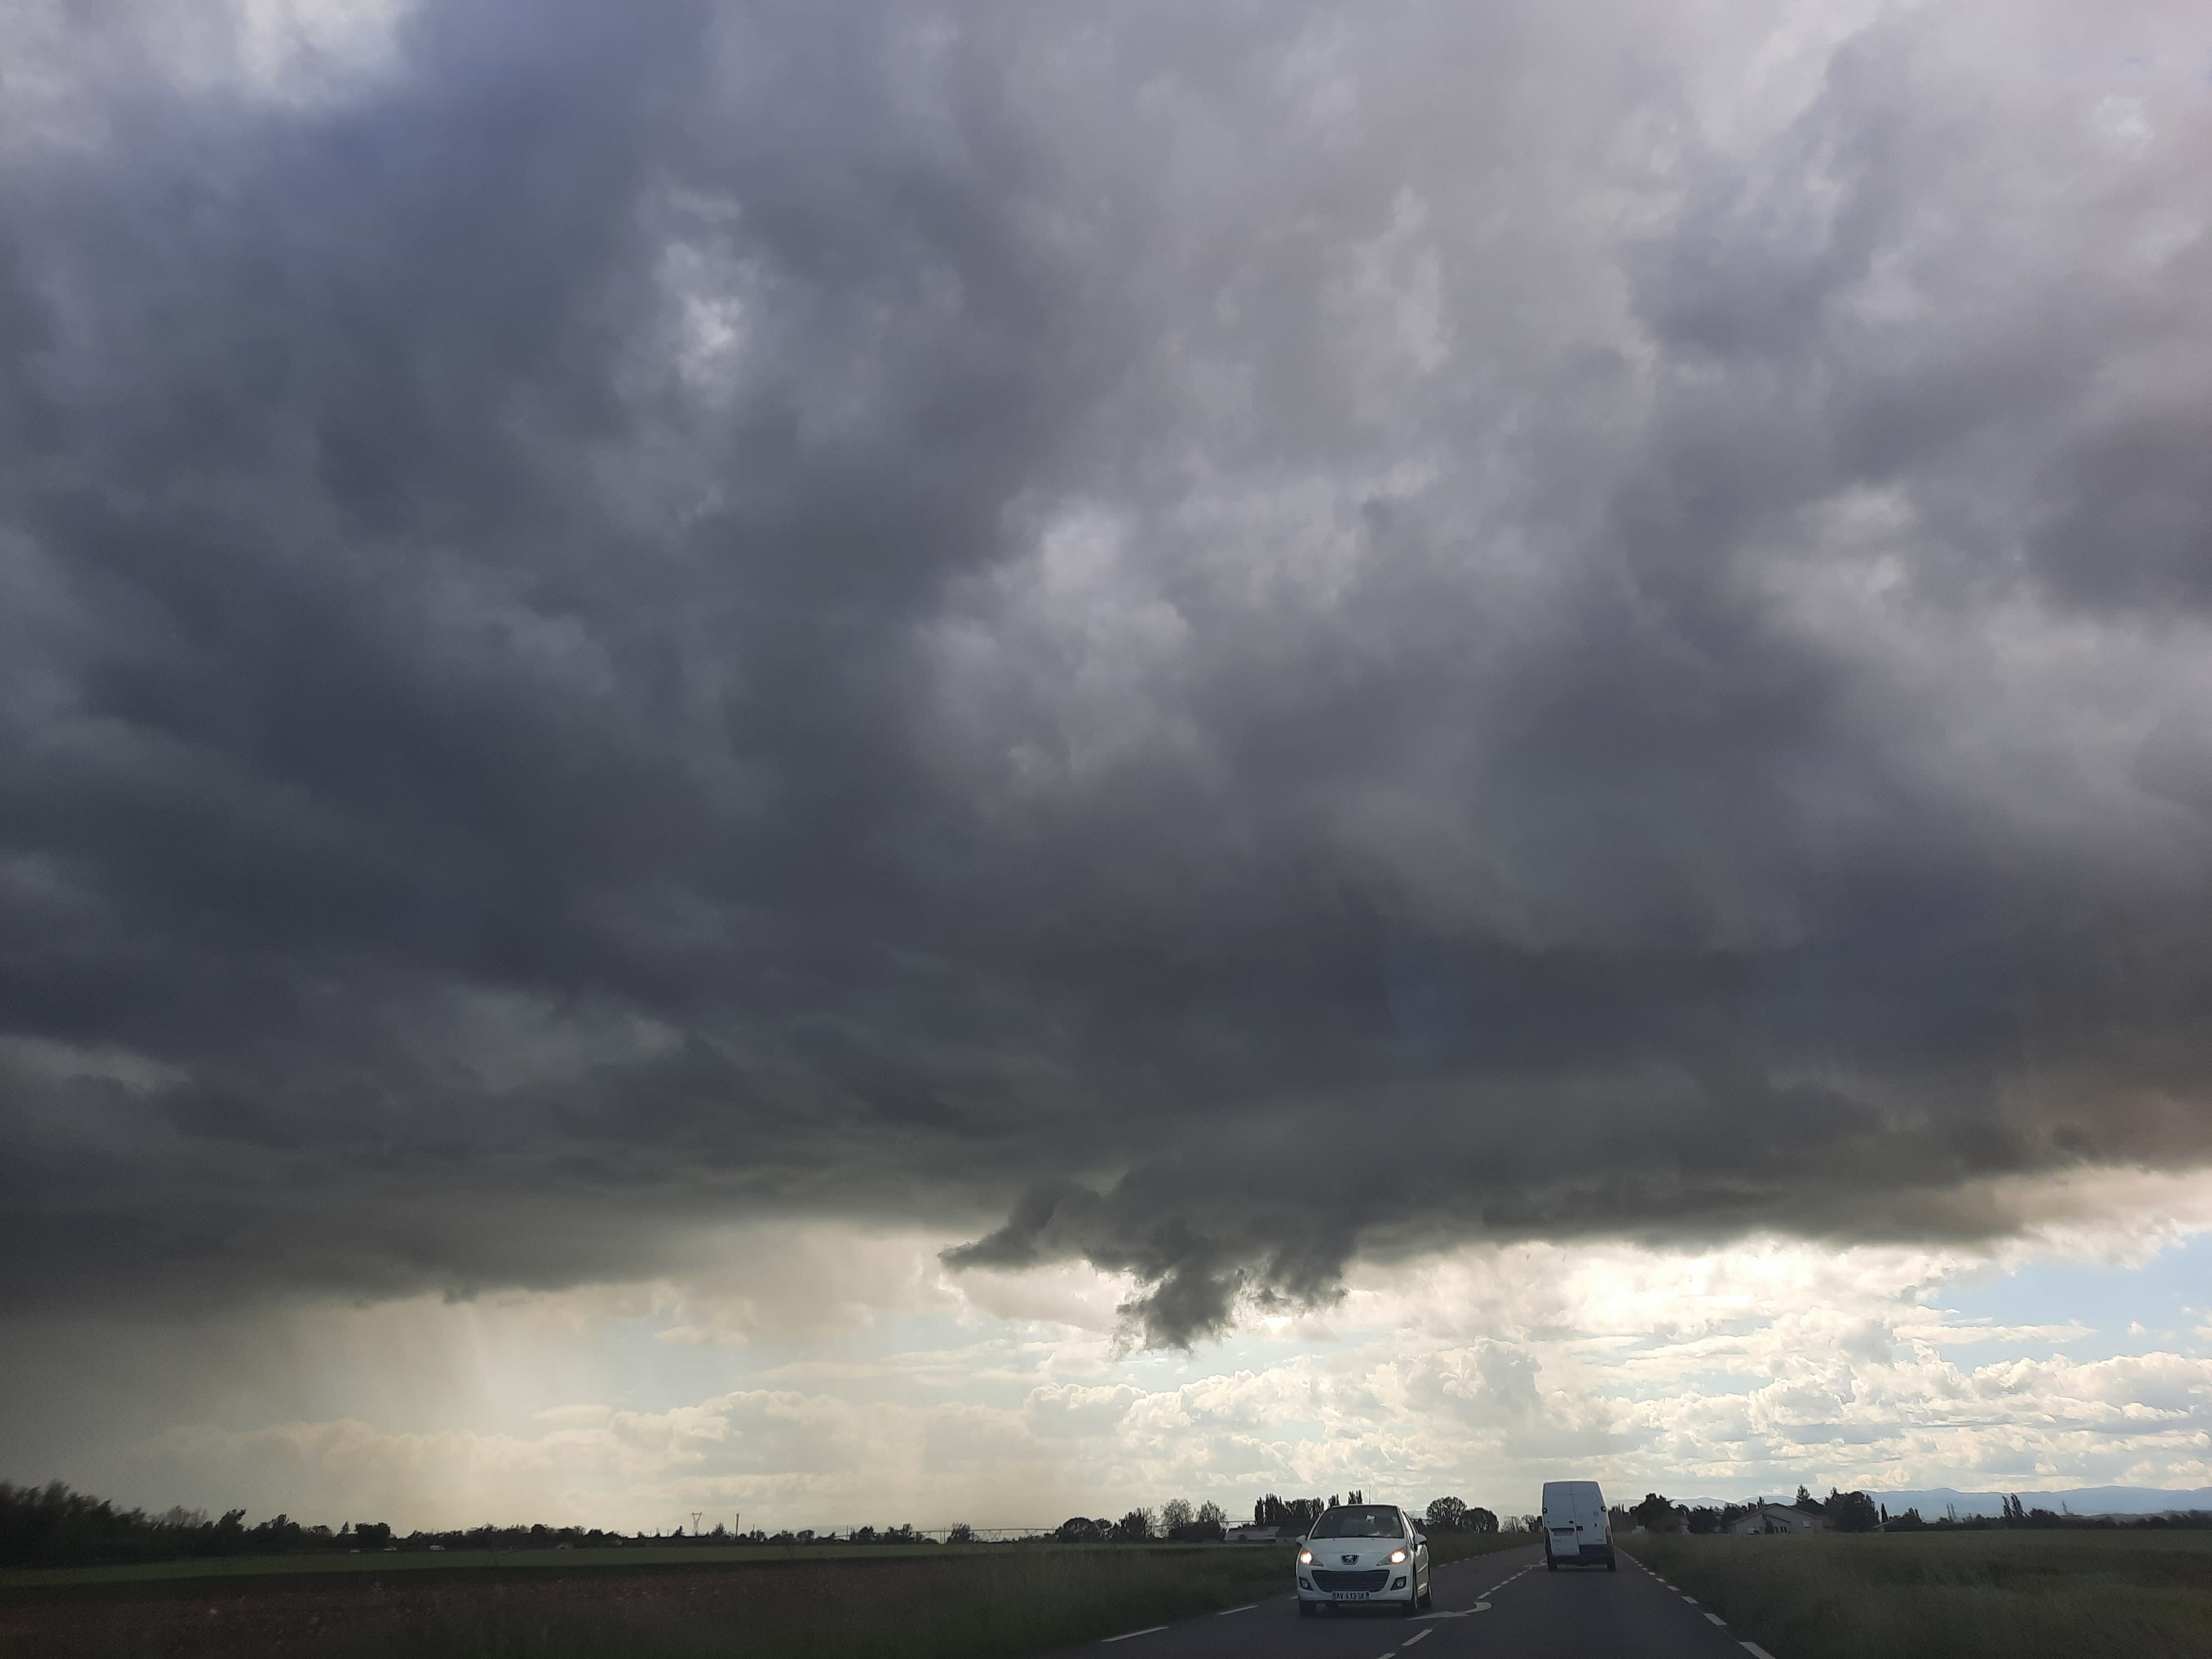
[{"x": 555, "y": 690}]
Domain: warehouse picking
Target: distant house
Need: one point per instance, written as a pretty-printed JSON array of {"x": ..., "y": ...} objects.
[
  {"x": 1781, "y": 1518},
  {"x": 1250, "y": 1535}
]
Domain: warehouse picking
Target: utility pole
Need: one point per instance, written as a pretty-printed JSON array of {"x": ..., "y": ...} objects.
[{"x": 696, "y": 1514}]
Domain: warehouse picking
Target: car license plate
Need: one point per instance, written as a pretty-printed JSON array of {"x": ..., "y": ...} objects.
[{"x": 1349, "y": 1595}]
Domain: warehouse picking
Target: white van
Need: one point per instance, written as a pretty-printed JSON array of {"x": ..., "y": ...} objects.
[{"x": 1577, "y": 1529}]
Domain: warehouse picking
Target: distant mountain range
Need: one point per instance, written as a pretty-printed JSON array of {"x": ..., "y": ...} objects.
[{"x": 1937, "y": 1501}]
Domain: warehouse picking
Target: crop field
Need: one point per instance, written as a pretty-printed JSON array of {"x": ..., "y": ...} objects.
[
  {"x": 323, "y": 1564},
  {"x": 1996, "y": 1595},
  {"x": 984, "y": 1601}
]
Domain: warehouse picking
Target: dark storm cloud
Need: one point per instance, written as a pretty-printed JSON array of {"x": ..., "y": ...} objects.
[{"x": 1206, "y": 644}]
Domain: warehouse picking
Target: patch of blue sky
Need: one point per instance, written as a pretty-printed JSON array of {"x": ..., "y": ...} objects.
[
  {"x": 2158, "y": 1307},
  {"x": 987, "y": 1362},
  {"x": 1706, "y": 1384},
  {"x": 639, "y": 1370},
  {"x": 904, "y": 1357},
  {"x": 1239, "y": 1351}
]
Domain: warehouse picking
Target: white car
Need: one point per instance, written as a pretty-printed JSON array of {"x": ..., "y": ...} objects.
[{"x": 1364, "y": 1552}]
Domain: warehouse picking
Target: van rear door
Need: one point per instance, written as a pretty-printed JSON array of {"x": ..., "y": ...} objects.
[{"x": 1575, "y": 1520}]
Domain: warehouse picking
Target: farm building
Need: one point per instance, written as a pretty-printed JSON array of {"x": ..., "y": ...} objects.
[{"x": 1780, "y": 1517}]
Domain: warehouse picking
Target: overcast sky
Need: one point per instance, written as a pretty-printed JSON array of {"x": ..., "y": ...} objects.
[{"x": 756, "y": 720}]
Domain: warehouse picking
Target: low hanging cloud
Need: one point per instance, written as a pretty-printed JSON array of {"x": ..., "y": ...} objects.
[
  {"x": 1211, "y": 644},
  {"x": 1481, "y": 1370}
]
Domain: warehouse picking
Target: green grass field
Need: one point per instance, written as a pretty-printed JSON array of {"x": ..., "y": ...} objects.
[
  {"x": 982, "y": 1602},
  {"x": 373, "y": 1561},
  {"x": 2021, "y": 1595},
  {"x": 1445, "y": 1546}
]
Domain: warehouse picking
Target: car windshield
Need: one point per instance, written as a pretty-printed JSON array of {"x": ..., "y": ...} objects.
[{"x": 1359, "y": 1521}]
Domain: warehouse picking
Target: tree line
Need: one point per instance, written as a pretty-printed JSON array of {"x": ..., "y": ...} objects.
[
  {"x": 1857, "y": 1511},
  {"x": 51, "y": 1526},
  {"x": 2016, "y": 1514},
  {"x": 1175, "y": 1522},
  {"x": 1442, "y": 1515},
  {"x": 1846, "y": 1512},
  {"x": 1449, "y": 1515}
]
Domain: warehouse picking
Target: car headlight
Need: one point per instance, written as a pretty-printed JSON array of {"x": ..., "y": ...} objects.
[
  {"x": 1305, "y": 1558},
  {"x": 1397, "y": 1556}
]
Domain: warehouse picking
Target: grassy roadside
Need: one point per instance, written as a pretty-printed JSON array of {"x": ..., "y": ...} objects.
[
  {"x": 1954, "y": 1595},
  {"x": 1443, "y": 1547},
  {"x": 979, "y": 1602},
  {"x": 536, "y": 1560},
  {"x": 995, "y": 1606},
  {"x": 1446, "y": 1548}
]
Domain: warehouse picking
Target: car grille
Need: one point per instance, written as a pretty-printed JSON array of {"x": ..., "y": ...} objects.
[{"x": 1326, "y": 1580}]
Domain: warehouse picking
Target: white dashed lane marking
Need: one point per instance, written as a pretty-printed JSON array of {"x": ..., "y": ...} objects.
[
  {"x": 1421, "y": 1635},
  {"x": 1757, "y": 1651},
  {"x": 1226, "y": 1612},
  {"x": 1149, "y": 1630},
  {"x": 1717, "y": 1618}
]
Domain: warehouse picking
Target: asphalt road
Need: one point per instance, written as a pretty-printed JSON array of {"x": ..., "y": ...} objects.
[{"x": 1504, "y": 1605}]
